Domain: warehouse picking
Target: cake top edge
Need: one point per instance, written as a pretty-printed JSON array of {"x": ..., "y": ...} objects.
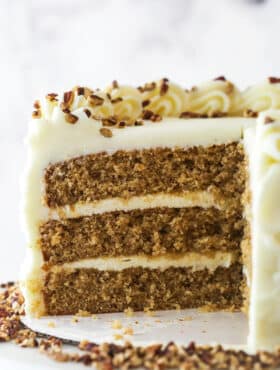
[{"x": 122, "y": 105}]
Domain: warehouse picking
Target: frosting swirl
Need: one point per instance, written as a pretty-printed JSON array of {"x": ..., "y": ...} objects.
[
  {"x": 263, "y": 96},
  {"x": 126, "y": 102},
  {"x": 164, "y": 98},
  {"x": 216, "y": 96}
]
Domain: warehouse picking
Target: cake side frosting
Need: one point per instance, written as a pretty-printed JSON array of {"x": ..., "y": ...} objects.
[{"x": 264, "y": 314}]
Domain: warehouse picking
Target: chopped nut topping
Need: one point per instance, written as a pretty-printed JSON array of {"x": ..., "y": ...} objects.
[
  {"x": 36, "y": 104},
  {"x": 274, "y": 80},
  {"x": 268, "y": 120},
  {"x": 250, "y": 113},
  {"x": 156, "y": 118},
  {"x": 220, "y": 78},
  {"x": 163, "y": 87},
  {"x": 145, "y": 103},
  {"x": 106, "y": 132},
  {"x": 80, "y": 90},
  {"x": 116, "y": 100},
  {"x": 87, "y": 112},
  {"x": 111, "y": 121},
  {"x": 52, "y": 97},
  {"x": 147, "y": 114},
  {"x": 150, "y": 86},
  {"x": 68, "y": 98},
  {"x": 37, "y": 114},
  {"x": 192, "y": 115},
  {"x": 121, "y": 124},
  {"x": 115, "y": 84},
  {"x": 95, "y": 100},
  {"x": 70, "y": 118}
]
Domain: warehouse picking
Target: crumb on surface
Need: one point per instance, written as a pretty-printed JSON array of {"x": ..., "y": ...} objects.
[
  {"x": 129, "y": 312},
  {"x": 128, "y": 331},
  {"x": 116, "y": 324},
  {"x": 118, "y": 336}
]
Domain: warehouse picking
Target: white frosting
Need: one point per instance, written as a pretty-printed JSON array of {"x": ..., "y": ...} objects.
[
  {"x": 264, "y": 312},
  {"x": 195, "y": 261},
  {"x": 215, "y": 96},
  {"x": 202, "y": 199},
  {"x": 262, "y": 97}
]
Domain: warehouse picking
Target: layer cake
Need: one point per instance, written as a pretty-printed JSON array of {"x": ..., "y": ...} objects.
[{"x": 156, "y": 198}]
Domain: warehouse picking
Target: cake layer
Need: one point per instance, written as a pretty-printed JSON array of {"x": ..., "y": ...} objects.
[
  {"x": 139, "y": 172},
  {"x": 153, "y": 231},
  {"x": 95, "y": 291}
]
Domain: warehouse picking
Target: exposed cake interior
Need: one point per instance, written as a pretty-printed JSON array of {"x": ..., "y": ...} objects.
[
  {"x": 129, "y": 206},
  {"x": 175, "y": 240}
]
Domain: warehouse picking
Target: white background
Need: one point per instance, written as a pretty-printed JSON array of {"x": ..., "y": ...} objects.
[{"x": 48, "y": 45}]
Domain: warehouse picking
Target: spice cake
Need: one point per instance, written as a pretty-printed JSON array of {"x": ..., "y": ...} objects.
[{"x": 156, "y": 198}]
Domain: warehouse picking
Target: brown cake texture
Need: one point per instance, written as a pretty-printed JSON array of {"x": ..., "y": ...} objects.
[
  {"x": 138, "y": 288},
  {"x": 160, "y": 231},
  {"x": 150, "y": 171}
]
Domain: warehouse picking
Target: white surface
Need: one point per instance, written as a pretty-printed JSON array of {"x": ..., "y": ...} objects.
[
  {"x": 205, "y": 328},
  {"x": 229, "y": 329}
]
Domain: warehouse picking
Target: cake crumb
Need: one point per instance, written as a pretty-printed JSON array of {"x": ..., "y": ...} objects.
[
  {"x": 129, "y": 312},
  {"x": 94, "y": 317},
  {"x": 74, "y": 319},
  {"x": 118, "y": 336},
  {"x": 148, "y": 311},
  {"x": 116, "y": 324},
  {"x": 82, "y": 313},
  {"x": 128, "y": 331},
  {"x": 51, "y": 324},
  {"x": 106, "y": 132}
]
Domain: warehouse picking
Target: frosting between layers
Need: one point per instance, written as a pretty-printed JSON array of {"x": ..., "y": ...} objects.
[
  {"x": 264, "y": 313},
  {"x": 202, "y": 199},
  {"x": 195, "y": 261}
]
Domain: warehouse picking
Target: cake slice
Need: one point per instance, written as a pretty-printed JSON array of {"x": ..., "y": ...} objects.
[{"x": 155, "y": 198}]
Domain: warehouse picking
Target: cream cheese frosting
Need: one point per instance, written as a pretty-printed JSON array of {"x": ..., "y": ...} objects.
[
  {"x": 264, "y": 314},
  {"x": 164, "y": 98}
]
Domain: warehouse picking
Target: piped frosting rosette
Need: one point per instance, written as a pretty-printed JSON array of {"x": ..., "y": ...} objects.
[
  {"x": 216, "y": 96},
  {"x": 126, "y": 101},
  {"x": 164, "y": 98},
  {"x": 263, "y": 96}
]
